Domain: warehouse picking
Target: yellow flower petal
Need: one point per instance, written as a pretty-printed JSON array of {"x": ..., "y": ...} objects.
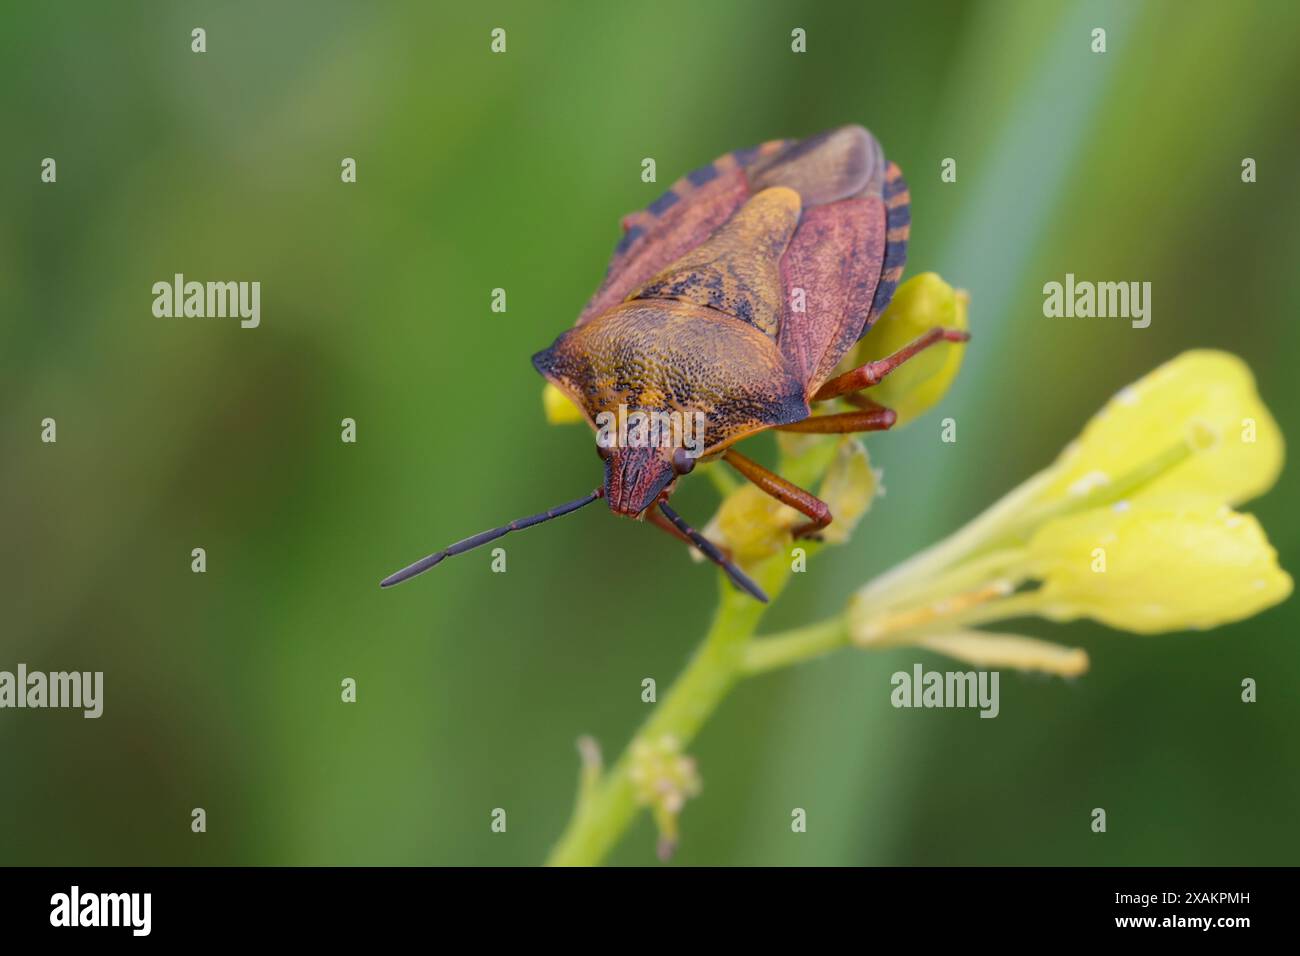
[
  {"x": 558, "y": 407},
  {"x": 1205, "y": 397},
  {"x": 752, "y": 525},
  {"x": 1156, "y": 567},
  {"x": 919, "y": 304},
  {"x": 988, "y": 650},
  {"x": 848, "y": 488}
]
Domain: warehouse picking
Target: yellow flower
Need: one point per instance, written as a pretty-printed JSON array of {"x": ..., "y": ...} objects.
[
  {"x": 920, "y": 304},
  {"x": 753, "y": 525},
  {"x": 1203, "y": 397},
  {"x": 559, "y": 408},
  {"x": 1132, "y": 526},
  {"x": 848, "y": 489},
  {"x": 1148, "y": 568}
]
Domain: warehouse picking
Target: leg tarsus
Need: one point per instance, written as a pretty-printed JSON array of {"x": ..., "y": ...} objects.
[
  {"x": 713, "y": 553},
  {"x": 871, "y": 374},
  {"x": 657, "y": 518}
]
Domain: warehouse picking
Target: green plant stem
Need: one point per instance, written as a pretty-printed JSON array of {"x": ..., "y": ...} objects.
[
  {"x": 986, "y": 548},
  {"x": 794, "y": 646},
  {"x": 609, "y": 809},
  {"x": 608, "y": 805}
]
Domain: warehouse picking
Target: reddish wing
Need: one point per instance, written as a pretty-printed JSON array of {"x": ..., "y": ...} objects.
[
  {"x": 847, "y": 257},
  {"x": 830, "y": 273}
]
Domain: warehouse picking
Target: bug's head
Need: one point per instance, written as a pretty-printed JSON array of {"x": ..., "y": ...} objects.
[
  {"x": 663, "y": 382},
  {"x": 635, "y": 477}
]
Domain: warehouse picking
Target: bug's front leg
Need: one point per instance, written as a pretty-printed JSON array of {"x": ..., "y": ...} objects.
[
  {"x": 660, "y": 520},
  {"x": 871, "y": 374},
  {"x": 788, "y": 493}
]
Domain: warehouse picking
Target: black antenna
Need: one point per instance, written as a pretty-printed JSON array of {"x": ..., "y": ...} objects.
[
  {"x": 483, "y": 537},
  {"x": 711, "y": 552}
]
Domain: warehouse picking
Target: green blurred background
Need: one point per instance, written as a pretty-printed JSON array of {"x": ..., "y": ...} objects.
[{"x": 477, "y": 171}]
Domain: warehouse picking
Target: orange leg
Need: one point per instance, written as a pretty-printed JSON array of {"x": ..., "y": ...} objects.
[
  {"x": 874, "y": 418},
  {"x": 786, "y": 492},
  {"x": 870, "y": 374},
  {"x": 862, "y": 401}
]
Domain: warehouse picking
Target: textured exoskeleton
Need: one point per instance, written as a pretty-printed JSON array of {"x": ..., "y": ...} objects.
[
  {"x": 729, "y": 301},
  {"x": 735, "y": 294}
]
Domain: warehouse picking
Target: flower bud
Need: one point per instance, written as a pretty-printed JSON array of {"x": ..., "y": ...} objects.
[{"x": 920, "y": 304}]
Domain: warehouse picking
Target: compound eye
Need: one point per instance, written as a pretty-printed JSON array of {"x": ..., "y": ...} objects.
[
  {"x": 604, "y": 451},
  {"x": 683, "y": 461}
]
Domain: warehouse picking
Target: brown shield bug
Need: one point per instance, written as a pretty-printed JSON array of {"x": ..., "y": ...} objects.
[{"x": 727, "y": 305}]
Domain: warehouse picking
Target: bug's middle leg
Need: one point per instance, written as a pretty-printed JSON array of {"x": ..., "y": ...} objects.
[
  {"x": 870, "y": 418},
  {"x": 870, "y": 374},
  {"x": 786, "y": 492}
]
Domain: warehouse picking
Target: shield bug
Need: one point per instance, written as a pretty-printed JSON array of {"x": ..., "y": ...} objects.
[{"x": 728, "y": 303}]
